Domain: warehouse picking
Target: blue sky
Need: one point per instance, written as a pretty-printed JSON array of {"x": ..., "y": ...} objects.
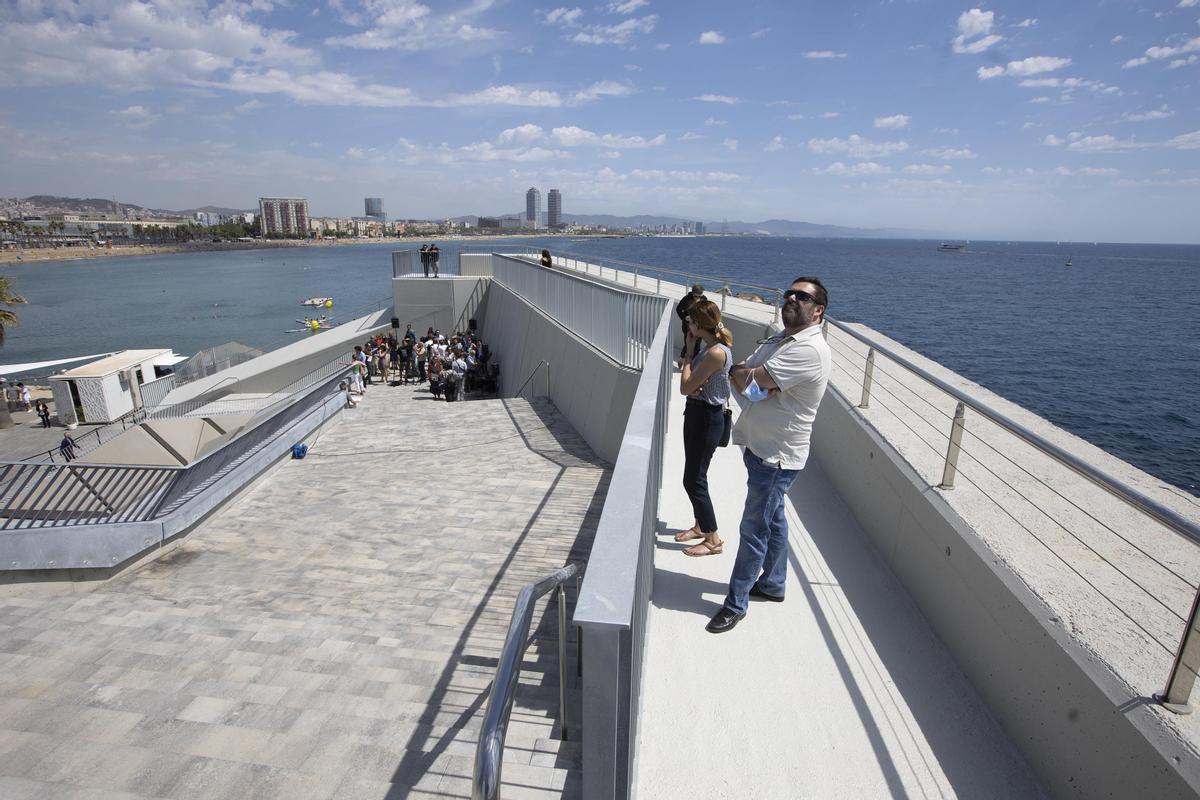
[{"x": 1016, "y": 120}]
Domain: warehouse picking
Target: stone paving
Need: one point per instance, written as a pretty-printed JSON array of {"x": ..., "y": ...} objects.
[{"x": 332, "y": 633}]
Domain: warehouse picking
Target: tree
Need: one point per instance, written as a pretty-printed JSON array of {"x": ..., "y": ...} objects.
[{"x": 8, "y": 318}]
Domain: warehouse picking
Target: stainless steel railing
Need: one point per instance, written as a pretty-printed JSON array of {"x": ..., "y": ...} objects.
[
  {"x": 533, "y": 372},
  {"x": 619, "y": 323},
  {"x": 1176, "y": 695},
  {"x": 489, "y": 752}
]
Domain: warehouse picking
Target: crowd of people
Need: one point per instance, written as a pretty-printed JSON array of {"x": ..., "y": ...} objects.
[{"x": 450, "y": 366}]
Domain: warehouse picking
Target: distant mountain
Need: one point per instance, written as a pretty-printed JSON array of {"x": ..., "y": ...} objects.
[
  {"x": 100, "y": 205},
  {"x": 770, "y": 227}
]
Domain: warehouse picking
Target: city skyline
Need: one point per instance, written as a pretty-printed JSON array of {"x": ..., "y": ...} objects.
[{"x": 1012, "y": 120}]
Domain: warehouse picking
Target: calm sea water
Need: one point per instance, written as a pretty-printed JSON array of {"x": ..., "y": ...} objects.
[{"x": 1108, "y": 348}]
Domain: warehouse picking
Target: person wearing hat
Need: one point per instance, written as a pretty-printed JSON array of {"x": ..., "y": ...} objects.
[{"x": 681, "y": 311}]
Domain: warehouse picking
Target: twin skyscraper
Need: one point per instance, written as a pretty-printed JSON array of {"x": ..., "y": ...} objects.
[{"x": 533, "y": 208}]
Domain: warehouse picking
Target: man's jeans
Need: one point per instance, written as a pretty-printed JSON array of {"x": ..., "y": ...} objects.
[{"x": 764, "y": 533}]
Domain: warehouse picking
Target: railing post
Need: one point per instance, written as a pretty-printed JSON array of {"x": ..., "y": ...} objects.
[
  {"x": 954, "y": 448},
  {"x": 1178, "y": 693},
  {"x": 868, "y": 376},
  {"x": 562, "y": 659},
  {"x": 658, "y": 285},
  {"x": 725, "y": 290},
  {"x": 547, "y": 379},
  {"x": 635, "y": 277}
]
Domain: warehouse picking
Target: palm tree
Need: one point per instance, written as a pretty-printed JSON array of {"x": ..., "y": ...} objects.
[{"x": 7, "y": 318}]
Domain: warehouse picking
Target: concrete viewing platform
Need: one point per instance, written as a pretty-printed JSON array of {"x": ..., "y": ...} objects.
[
  {"x": 842, "y": 690},
  {"x": 332, "y": 632}
]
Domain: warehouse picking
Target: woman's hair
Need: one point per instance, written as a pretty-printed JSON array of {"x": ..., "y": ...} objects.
[
  {"x": 707, "y": 316},
  {"x": 545, "y": 253}
]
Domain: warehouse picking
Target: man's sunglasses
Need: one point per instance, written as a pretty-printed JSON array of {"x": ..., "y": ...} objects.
[{"x": 799, "y": 295}]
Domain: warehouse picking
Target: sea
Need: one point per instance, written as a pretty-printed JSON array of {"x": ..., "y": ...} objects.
[{"x": 1106, "y": 346}]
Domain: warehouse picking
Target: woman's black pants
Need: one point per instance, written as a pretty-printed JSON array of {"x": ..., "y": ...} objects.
[{"x": 702, "y": 428}]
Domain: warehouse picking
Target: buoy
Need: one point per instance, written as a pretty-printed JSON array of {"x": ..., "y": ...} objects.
[
  {"x": 329, "y": 304},
  {"x": 314, "y": 324}
]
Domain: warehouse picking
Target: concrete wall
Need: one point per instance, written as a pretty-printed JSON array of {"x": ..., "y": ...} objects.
[
  {"x": 445, "y": 303},
  {"x": 592, "y": 391},
  {"x": 1071, "y": 718}
]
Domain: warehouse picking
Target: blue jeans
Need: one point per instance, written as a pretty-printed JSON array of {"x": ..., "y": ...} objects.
[{"x": 763, "y": 548}]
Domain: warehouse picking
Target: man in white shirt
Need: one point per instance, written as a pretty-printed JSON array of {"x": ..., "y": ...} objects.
[{"x": 785, "y": 380}]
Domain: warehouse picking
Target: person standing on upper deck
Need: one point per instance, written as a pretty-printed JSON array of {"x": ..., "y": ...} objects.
[
  {"x": 434, "y": 255},
  {"x": 784, "y": 380},
  {"x": 425, "y": 259}
]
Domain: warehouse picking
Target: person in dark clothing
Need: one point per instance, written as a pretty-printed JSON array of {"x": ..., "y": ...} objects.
[
  {"x": 681, "y": 311},
  {"x": 43, "y": 411},
  {"x": 434, "y": 255},
  {"x": 425, "y": 259},
  {"x": 67, "y": 447}
]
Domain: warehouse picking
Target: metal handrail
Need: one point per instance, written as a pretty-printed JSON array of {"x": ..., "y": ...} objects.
[
  {"x": 724, "y": 281},
  {"x": 540, "y": 364},
  {"x": 1175, "y": 697},
  {"x": 489, "y": 752}
]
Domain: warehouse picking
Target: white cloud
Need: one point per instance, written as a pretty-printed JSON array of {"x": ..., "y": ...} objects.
[
  {"x": 1117, "y": 38},
  {"x": 626, "y": 7},
  {"x": 795, "y": 116},
  {"x": 1106, "y": 143},
  {"x": 975, "y": 24},
  {"x": 632, "y": 68},
  {"x": 136, "y": 117},
  {"x": 760, "y": 33},
  {"x": 774, "y": 145},
  {"x": 408, "y": 26},
  {"x": 1164, "y": 51},
  {"x": 562, "y": 16},
  {"x": 691, "y": 136},
  {"x": 253, "y": 104},
  {"x": 603, "y": 89},
  {"x": 711, "y": 37},
  {"x": 927, "y": 169},
  {"x": 1052, "y": 141},
  {"x": 861, "y": 168},
  {"x": 1042, "y": 99},
  {"x": 1162, "y": 112},
  {"x": 610, "y": 154},
  {"x": 717, "y": 98},
  {"x": 573, "y": 136},
  {"x": 856, "y": 146},
  {"x": 831, "y": 115},
  {"x": 950, "y": 153},
  {"x": 895, "y": 122},
  {"x": 1185, "y": 141},
  {"x": 1027, "y": 23},
  {"x": 619, "y": 34},
  {"x": 730, "y": 144},
  {"x": 1034, "y": 65},
  {"x": 1183, "y": 62},
  {"x": 1108, "y": 171},
  {"x": 991, "y": 171},
  {"x": 522, "y": 134},
  {"x": 819, "y": 54},
  {"x": 713, "y": 122},
  {"x": 1061, "y": 170},
  {"x": 1188, "y": 3}
]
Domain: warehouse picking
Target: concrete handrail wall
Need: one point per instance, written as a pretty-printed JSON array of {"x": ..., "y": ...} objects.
[{"x": 615, "y": 596}]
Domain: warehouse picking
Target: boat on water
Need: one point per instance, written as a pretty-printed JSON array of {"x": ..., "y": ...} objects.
[
  {"x": 951, "y": 247},
  {"x": 1068, "y": 262},
  {"x": 950, "y": 627},
  {"x": 316, "y": 301}
]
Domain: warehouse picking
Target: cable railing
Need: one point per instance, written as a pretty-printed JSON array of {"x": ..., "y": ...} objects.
[
  {"x": 489, "y": 751},
  {"x": 1146, "y": 588},
  {"x": 617, "y": 322}
]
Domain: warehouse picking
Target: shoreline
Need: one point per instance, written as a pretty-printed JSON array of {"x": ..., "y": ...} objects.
[{"x": 41, "y": 255}]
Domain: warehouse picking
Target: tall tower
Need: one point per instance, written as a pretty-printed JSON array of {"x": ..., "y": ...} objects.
[
  {"x": 374, "y": 208},
  {"x": 554, "y": 209},
  {"x": 533, "y": 207}
]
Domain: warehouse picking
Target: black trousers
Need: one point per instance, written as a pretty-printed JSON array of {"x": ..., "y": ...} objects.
[{"x": 702, "y": 428}]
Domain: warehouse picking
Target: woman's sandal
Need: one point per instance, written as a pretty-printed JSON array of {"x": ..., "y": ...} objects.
[
  {"x": 705, "y": 549},
  {"x": 689, "y": 535}
]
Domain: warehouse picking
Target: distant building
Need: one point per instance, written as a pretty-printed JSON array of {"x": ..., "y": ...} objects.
[
  {"x": 514, "y": 223},
  {"x": 554, "y": 209},
  {"x": 374, "y": 208},
  {"x": 533, "y": 207},
  {"x": 699, "y": 227},
  {"x": 489, "y": 222},
  {"x": 286, "y": 216}
]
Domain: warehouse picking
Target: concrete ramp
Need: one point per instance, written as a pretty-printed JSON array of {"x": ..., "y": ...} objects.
[{"x": 843, "y": 690}]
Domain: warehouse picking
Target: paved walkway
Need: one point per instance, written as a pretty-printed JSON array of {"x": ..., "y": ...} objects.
[
  {"x": 841, "y": 691},
  {"x": 331, "y": 633}
]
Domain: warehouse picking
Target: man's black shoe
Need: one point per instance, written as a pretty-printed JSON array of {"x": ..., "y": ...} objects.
[
  {"x": 759, "y": 593},
  {"x": 723, "y": 620}
]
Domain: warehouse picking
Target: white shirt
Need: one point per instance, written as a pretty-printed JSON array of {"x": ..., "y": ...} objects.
[{"x": 778, "y": 429}]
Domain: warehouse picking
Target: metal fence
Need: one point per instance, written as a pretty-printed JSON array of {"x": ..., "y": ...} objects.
[
  {"x": 213, "y": 360},
  {"x": 408, "y": 262},
  {"x": 1141, "y": 573},
  {"x": 154, "y": 392},
  {"x": 615, "y": 597},
  {"x": 620, "y": 323},
  {"x": 38, "y": 495}
]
